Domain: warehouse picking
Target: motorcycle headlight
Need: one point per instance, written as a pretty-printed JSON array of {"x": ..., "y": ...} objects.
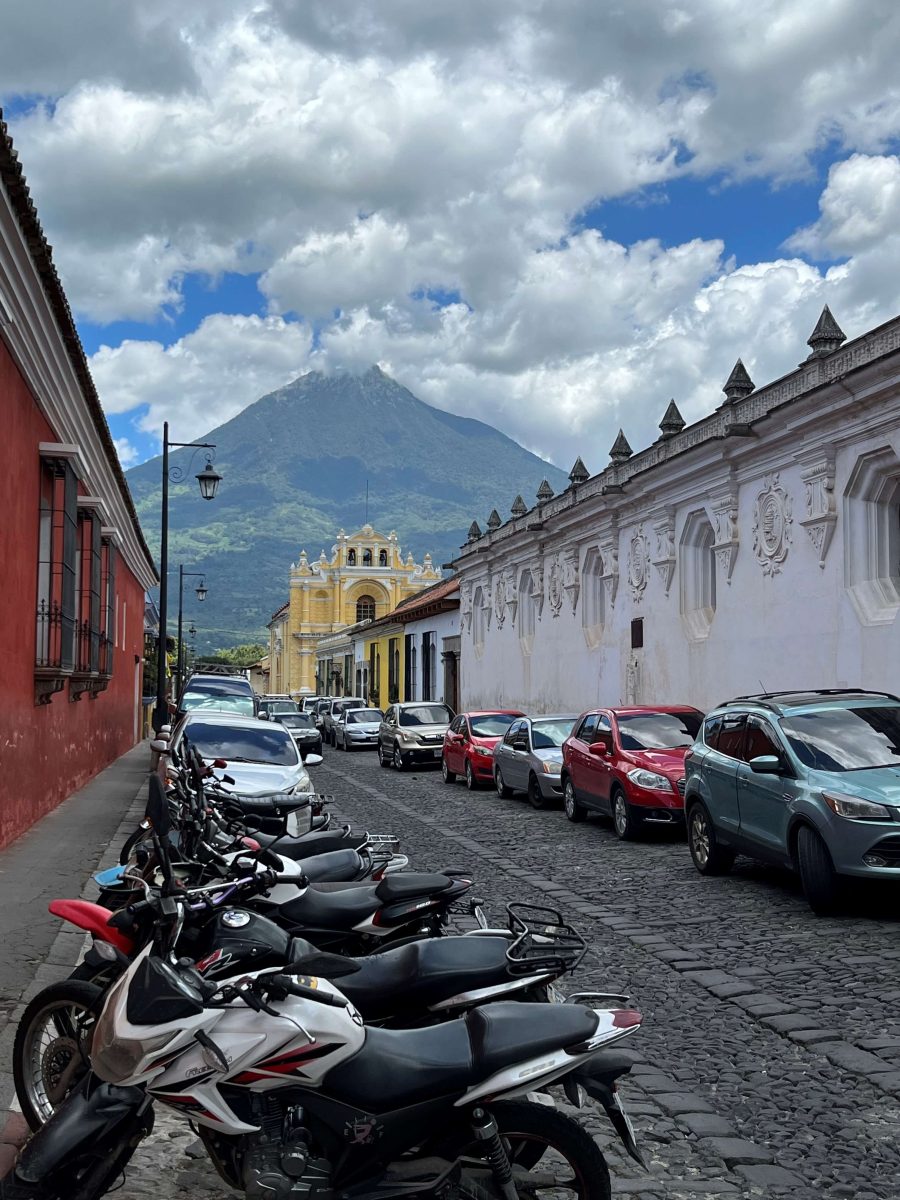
[
  {"x": 855, "y": 808},
  {"x": 552, "y": 766},
  {"x": 117, "y": 1059},
  {"x": 649, "y": 779}
]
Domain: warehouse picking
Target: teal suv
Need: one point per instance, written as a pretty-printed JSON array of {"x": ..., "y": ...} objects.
[{"x": 808, "y": 780}]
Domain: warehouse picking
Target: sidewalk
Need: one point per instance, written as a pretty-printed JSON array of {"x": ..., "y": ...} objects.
[{"x": 56, "y": 858}]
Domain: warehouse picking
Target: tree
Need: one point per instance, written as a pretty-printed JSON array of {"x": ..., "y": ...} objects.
[{"x": 239, "y": 656}]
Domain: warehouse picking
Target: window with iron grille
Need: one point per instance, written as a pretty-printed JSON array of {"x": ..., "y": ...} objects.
[
  {"x": 428, "y": 666},
  {"x": 88, "y": 579},
  {"x": 108, "y": 603},
  {"x": 57, "y": 567}
]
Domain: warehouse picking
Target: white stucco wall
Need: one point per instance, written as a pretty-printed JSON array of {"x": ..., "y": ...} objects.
[
  {"x": 442, "y": 625},
  {"x": 772, "y": 497}
]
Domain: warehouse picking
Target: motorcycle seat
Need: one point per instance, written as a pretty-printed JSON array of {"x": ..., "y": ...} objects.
[
  {"x": 308, "y": 844},
  {"x": 413, "y": 978},
  {"x": 268, "y": 805},
  {"x": 403, "y": 887},
  {"x": 339, "y": 910},
  {"x": 396, "y": 1068},
  {"x": 339, "y": 865}
]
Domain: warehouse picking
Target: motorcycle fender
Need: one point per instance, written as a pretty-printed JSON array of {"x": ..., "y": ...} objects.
[
  {"x": 597, "y": 1078},
  {"x": 88, "y": 1116}
]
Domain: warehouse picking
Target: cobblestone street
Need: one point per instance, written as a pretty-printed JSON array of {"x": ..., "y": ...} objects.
[{"x": 769, "y": 1059}]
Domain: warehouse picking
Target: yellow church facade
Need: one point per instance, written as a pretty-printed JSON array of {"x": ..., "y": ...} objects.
[{"x": 365, "y": 578}]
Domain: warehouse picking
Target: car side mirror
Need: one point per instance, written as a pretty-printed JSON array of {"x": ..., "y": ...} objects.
[
  {"x": 600, "y": 749},
  {"x": 264, "y": 716},
  {"x": 767, "y": 764},
  {"x": 313, "y": 760},
  {"x": 160, "y": 745}
]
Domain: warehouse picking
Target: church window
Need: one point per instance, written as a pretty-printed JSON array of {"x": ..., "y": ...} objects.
[
  {"x": 526, "y": 612},
  {"x": 872, "y": 536},
  {"x": 697, "y": 572},
  {"x": 351, "y": 558},
  {"x": 382, "y": 558},
  {"x": 367, "y": 558},
  {"x": 593, "y": 605},
  {"x": 365, "y": 609}
]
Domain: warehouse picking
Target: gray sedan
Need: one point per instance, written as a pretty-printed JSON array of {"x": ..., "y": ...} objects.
[
  {"x": 529, "y": 758},
  {"x": 357, "y": 728}
]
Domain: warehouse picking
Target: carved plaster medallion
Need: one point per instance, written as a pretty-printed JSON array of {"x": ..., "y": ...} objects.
[
  {"x": 638, "y": 562},
  {"x": 500, "y": 600},
  {"x": 555, "y": 586},
  {"x": 572, "y": 577},
  {"x": 772, "y": 521}
]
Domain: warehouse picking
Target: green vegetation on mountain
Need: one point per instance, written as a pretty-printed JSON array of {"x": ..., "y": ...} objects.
[{"x": 295, "y": 466}]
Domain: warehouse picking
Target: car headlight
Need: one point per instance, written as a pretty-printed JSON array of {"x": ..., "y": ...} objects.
[
  {"x": 303, "y": 788},
  {"x": 552, "y": 766},
  {"x": 649, "y": 779},
  {"x": 409, "y": 737},
  {"x": 484, "y": 753},
  {"x": 855, "y": 808}
]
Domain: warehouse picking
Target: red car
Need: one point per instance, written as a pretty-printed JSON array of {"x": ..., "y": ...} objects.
[
  {"x": 469, "y": 745},
  {"x": 628, "y": 763}
]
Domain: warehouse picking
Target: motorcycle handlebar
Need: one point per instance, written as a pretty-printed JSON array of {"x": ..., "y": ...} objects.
[{"x": 288, "y": 985}]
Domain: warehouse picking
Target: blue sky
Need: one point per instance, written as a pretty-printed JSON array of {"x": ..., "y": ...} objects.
[{"x": 553, "y": 218}]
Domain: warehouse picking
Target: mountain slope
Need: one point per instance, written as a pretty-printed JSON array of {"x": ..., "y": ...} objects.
[{"x": 295, "y": 466}]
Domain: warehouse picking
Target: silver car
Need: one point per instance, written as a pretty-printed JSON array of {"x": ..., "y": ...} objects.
[
  {"x": 261, "y": 756},
  {"x": 529, "y": 758},
  {"x": 413, "y": 732},
  {"x": 333, "y": 711},
  {"x": 357, "y": 728}
]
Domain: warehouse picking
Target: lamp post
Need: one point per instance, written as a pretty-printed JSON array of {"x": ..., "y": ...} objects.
[
  {"x": 201, "y": 590},
  {"x": 208, "y": 479}
]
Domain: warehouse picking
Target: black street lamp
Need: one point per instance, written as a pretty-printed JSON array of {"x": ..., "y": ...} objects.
[
  {"x": 201, "y": 591},
  {"x": 208, "y": 479}
]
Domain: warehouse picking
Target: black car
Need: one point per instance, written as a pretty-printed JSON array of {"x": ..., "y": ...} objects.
[{"x": 302, "y": 729}]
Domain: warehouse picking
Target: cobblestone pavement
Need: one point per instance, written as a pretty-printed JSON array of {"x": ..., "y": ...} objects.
[{"x": 770, "y": 1052}]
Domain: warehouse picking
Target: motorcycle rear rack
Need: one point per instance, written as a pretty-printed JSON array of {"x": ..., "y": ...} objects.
[
  {"x": 543, "y": 941},
  {"x": 599, "y": 999}
]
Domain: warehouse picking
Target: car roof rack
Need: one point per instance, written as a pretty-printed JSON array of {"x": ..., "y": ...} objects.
[{"x": 774, "y": 700}]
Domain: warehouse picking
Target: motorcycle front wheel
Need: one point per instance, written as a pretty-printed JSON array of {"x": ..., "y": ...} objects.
[
  {"x": 52, "y": 1045},
  {"x": 87, "y": 1178},
  {"x": 549, "y": 1152}
]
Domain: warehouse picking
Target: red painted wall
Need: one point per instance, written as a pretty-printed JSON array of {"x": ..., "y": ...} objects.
[{"x": 48, "y": 751}]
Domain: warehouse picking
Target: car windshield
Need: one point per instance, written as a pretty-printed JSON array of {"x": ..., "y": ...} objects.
[
  {"x": 295, "y": 720},
  {"x": 846, "y": 739},
  {"x": 364, "y": 716},
  {"x": 346, "y": 705},
  {"x": 268, "y": 744},
  {"x": 492, "y": 724},
  {"x": 242, "y": 705},
  {"x": 281, "y": 706},
  {"x": 658, "y": 731},
  {"x": 425, "y": 714},
  {"x": 549, "y": 735}
]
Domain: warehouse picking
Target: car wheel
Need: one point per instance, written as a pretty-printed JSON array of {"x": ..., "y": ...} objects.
[
  {"x": 502, "y": 789},
  {"x": 447, "y": 775},
  {"x": 710, "y": 858},
  {"x": 535, "y": 795},
  {"x": 626, "y": 822},
  {"x": 382, "y": 757},
  {"x": 400, "y": 762},
  {"x": 471, "y": 781},
  {"x": 573, "y": 809},
  {"x": 817, "y": 873}
]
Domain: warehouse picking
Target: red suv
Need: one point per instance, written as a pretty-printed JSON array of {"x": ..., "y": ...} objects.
[
  {"x": 469, "y": 745},
  {"x": 628, "y": 763}
]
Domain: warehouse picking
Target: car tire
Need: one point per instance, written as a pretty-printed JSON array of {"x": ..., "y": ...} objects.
[
  {"x": 536, "y": 797},
  {"x": 399, "y": 761},
  {"x": 821, "y": 885},
  {"x": 709, "y": 857},
  {"x": 573, "y": 810},
  {"x": 502, "y": 789},
  {"x": 382, "y": 760},
  {"x": 471, "y": 781},
  {"x": 626, "y": 821},
  {"x": 447, "y": 775}
]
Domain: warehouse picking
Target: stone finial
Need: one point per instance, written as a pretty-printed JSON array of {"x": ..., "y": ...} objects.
[
  {"x": 494, "y": 521},
  {"x": 579, "y": 472},
  {"x": 672, "y": 422},
  {"x": 620, "y": 451},
  {"x": 545, "y": 491},
  {"x": 827, "y": 335},
  {"x": 474, "y": 531},
  {"x": 738, "y": 384},
  {"x": 519, "y": 507}
]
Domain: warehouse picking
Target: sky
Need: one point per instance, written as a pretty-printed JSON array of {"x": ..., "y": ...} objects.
[{"x": 552, "y": 215}]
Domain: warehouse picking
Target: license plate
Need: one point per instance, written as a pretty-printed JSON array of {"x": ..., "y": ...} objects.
[{"x": 437, "y": 753}]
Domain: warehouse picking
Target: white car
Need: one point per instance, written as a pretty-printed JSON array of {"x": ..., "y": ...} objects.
[{"x": 357, "y": 728}]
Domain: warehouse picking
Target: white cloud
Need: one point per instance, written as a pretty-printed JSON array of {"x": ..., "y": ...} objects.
[
  {"x": 127, "y": 453},
  {"x": 859, "y": 207}
]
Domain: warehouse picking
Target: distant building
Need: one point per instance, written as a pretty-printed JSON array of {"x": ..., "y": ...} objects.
[
  {"x": 365, "y": 577},
  {"x": 75, "y": 565},
  {"x": 757, "y": 549}
]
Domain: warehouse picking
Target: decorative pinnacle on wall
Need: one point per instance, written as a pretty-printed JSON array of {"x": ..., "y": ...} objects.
[
  {"x": 738, "y": 384},
  {"x": 519, "y": 507},
  {"x": 827, "y": 335},
  {"x": 620, "y": 451},
  {"x": 474, "y": 531},
  {"x": 672, "y": 422},
  {"x": 494, "y": 521},
  {"x": 544, "y": 492},
  {"x": 579, "y": 472}
]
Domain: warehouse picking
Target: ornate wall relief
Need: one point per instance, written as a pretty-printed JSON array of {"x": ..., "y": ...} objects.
[
  {"x": 465, "y": 607},
  {"x": 664, "y": 550},
  {"x": 486, "y": 605},
  {"x": 610, "y": 554},
  {"x": 555, "y": 586},
  {"x": 500, "y": 599},
  {"x": 725, "y": 524},
  {"x": 537, "y": 588},
  {"x": 772, "y": 521},
  {"x": 821, "y": 512},
  {"x": 571, "y": 576},
  {"x": 638, "y": 563}
]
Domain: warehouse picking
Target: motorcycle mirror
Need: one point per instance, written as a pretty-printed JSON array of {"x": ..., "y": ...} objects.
[
  {"x": 245, "y": 863},
  {"x": 313, "y": 760},
  {"x": 160, "y": 745},
  {"x": 220, "y": 764}
]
